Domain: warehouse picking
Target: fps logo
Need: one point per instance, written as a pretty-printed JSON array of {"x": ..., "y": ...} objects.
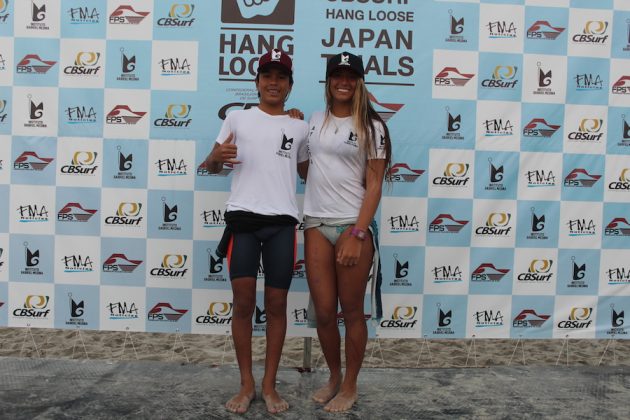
[
  {"x": 580, "y": 178},
  {"x": 126, "y": 15},
  {"x": 401, "y": 172},
  {"x": 451, "y": 76},
  {"x": 528, "y": 318},
  {"x": 274, "y": 12},
  {"x": 219, "y": 313},
  {"x": 538, "y": 127},
  {"x": 74, "y": 212},
  {"x": 487, "y": 272},
  {"x": 542, "y": 29},
  {"x": 119, "y": 263},
  {"x": 122, "y": 114}
]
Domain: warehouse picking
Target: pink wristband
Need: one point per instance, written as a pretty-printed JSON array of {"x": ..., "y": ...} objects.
[{"x": 360, "y": 234}]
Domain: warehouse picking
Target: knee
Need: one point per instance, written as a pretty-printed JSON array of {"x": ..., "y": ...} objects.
[
  {"x": 244, "y": 308},
  {"x": 353, "y": 315},
  {"x": 276, "y": 307},
  {"x": 326, "y": 318}
]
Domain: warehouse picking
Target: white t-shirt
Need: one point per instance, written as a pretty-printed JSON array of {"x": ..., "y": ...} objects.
[
  {"x": 335, "y": 186},
  {"x": 269, "y": 148}
]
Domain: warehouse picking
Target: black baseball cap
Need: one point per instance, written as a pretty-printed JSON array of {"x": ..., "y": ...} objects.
[
  {"x": 275, "y": 57},
  {"x": 345, "y": 60}
]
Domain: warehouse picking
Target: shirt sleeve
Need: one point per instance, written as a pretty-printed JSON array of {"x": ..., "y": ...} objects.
[
  {"x": 379, "y": 141},
  {"x": 226, "y": 129}
]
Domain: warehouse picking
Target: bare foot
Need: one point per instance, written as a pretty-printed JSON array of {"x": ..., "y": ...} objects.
[
  {"x": 240, "y": 402},
  {"x": 325, "y": 393},
  {"x": 275, "y": 404},
  {"x": 343, "y": 401}
]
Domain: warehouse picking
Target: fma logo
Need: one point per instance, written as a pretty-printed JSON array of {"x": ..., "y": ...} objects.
[
  {"x": 447, "y": 274},
  {"x": 496, "y": 225},
  {"x": 456, "y": 29},
  {"x": 404, "y": 224},
  {"x": 274, "y": 12},
  {"x": 126, "y": 15},
  {"x": 127, "y": 67},
  {"x": 455, "y": 175},
  {"x": 122, "y": 310},
  {"x": 212, "y": 219},
  {"x": 579, "y": 318},
  {"x": 219, "y": 313},
  {"x": 622, "y": 86},
  {"x": 580, "y": 178},
  {"x": 34, "y": 307},
  {"x": 174, "y": 66},
  {"x": 122, "y": 114},
  {"x": 581, "y": 227},
  {"x": 488, "y": 318},
  {"x": 172, "y": 266},
  {"x": 540, "y": 178},
  {"x": 487, "y": 272},
  {"x": 74, "y": 212},
  {"x": 453, "y": 126},
  {"x": 618, "y": 275},
  {"x": 32, "y": 64},
  {"x": 164, "y": 311},
  {"x": 83, "y": 163},
  {"x": 83, "y": 15},
  {"x": 497, "y": 127},
  {"x": 451, "y": 76},
  {"x": 126, "y": 214},
  {"x": 402, "y": 318},
  {"x": 119, "y": 263},
  {"x": 179, "y": 15},
  {"x": 594, "y": 32},
  {"x": 528, "y": 318},
  {"x": 538, "y": 127},
  {"x": 623, "y": 183},
  {"x": 501, "y": 29},
  {"x": 445, "y": 223},
  {"x": 32, "y": 213},
  {"x": 588, "y": 81},
  {"x": 171, "y": 167},
  {"x": 542, "y": 29},
  {"x": 77, "y": 264},
  {"x": 30, "y": 161},
  {"x": 401, "y": 172},
  {"x": 176, "y": 116},
  {"x": 618, "y": 226},
  {"x": 503, "y": 77},
  {"x": 80, "y": 115},
  {"x": 538, "y": 271}
]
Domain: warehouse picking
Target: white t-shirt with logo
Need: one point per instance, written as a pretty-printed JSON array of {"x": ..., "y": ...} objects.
[
  {"x": 335, "y": 185},
  {"x": 269, "y": 148}
]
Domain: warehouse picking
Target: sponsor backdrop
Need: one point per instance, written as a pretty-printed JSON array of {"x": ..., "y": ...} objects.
[{"x": 507, "y": 209}]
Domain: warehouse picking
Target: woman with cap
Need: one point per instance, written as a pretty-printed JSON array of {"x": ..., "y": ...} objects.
[
  {"x": 350, "y": 150},
  {"x": 265, "y": 146}
]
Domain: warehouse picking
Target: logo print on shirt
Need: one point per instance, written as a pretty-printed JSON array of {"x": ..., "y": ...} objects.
[{"x": 285, "y": 146}]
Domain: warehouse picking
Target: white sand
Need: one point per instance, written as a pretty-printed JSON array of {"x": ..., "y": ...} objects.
[{"x": 396, "y": 353}]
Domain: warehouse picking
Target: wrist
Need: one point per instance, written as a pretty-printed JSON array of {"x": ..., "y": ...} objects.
[{"x": 360, "y": 234}]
